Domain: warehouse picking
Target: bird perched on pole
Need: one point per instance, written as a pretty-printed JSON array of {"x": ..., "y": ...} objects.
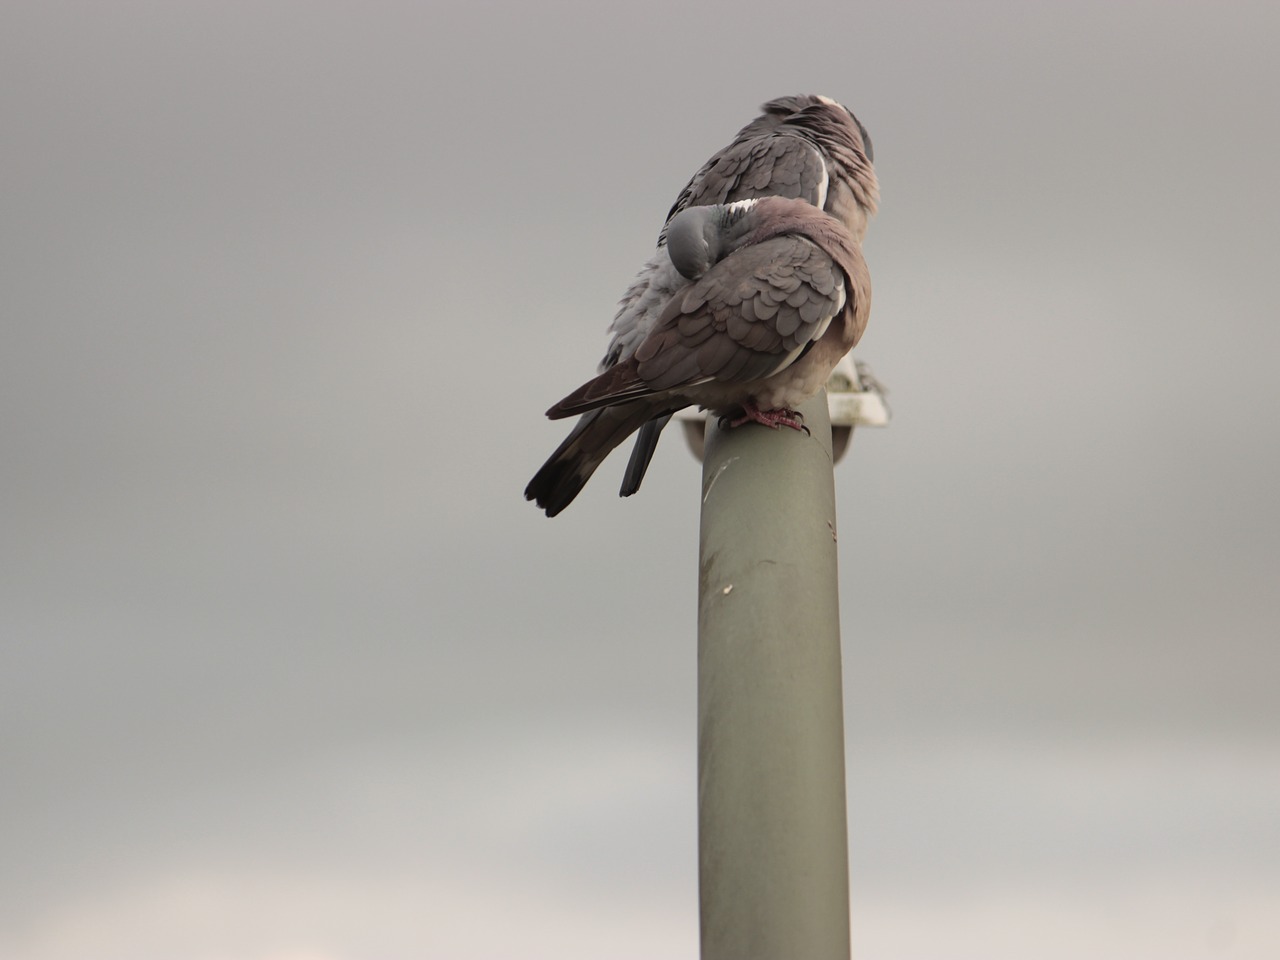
[
  {"x": 807, "y": 147},
  {"x": 774, "y": 293}
]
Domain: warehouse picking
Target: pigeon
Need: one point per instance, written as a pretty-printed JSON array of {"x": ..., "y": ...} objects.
[
  {"x": 805, "y": 146},
  {"x": 772, "y": 293}
]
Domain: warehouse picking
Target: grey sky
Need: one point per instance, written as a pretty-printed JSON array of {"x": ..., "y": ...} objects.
[{"x": 289, "y": 669}]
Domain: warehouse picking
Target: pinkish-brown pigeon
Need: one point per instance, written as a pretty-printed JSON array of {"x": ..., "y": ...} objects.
[
  {"x": 771, "y": 293},
  {"x": 804, "y": 146}
]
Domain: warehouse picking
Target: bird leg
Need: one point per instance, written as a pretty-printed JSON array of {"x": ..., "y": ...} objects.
[{"x": 770, "y": 418}]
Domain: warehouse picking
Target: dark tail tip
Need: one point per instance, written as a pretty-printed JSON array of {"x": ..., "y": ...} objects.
[{"x": 554, "y": 486}]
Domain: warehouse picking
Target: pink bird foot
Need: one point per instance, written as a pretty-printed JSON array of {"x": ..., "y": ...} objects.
[{"x": 770, "y": 418}]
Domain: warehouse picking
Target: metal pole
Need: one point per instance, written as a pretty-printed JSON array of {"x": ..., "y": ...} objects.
[{"x": 772, "y": 837}]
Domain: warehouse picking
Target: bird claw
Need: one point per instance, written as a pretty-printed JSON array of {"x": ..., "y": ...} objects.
[{"x": 769, "y": 418}]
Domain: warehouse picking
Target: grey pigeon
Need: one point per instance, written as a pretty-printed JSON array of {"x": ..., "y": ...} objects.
[
  {"x": 772, "y": 293},
  {"x": 808, "y": 147},
  {"x": 804, "y": 146}
]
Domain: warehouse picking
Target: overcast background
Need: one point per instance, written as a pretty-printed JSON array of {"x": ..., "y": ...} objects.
[{"x": 290, "y": 671}]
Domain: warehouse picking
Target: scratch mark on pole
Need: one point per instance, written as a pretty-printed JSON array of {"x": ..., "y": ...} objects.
[{"x": 723, "y": 467}]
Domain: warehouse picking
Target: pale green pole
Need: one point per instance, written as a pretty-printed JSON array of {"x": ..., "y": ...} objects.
[{"x": 772, "y": 837}]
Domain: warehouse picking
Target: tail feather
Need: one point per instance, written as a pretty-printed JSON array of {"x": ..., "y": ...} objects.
[
  {"x": 620, "y": 383},
  {"x": 645, "y": 446},
  {"x": 595, "y": 434}
]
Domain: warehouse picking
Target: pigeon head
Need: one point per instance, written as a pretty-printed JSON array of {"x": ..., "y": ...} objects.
[
  {"x": 700, "y": 237},
  {"x": 837, "y": 106}
]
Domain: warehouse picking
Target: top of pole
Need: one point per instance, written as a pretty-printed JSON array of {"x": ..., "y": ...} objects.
[{"x": 855, "y": 398}]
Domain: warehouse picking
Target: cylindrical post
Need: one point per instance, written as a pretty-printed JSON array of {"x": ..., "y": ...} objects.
[{"x": 772, "y": 836}]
